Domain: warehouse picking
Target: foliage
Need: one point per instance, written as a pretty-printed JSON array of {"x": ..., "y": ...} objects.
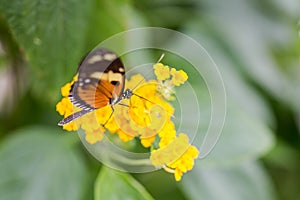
[{"x": 256, "y": 46}]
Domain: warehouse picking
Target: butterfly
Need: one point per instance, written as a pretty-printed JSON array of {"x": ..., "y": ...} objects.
[{"x": 101, "y": 80}]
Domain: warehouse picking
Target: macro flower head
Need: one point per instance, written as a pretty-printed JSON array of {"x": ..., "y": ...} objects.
[{"x": 146, "y": 115}]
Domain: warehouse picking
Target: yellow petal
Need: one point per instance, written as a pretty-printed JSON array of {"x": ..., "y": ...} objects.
[
  {"x": 178, "y": 77},
  {"x": 161, "y": 71}
]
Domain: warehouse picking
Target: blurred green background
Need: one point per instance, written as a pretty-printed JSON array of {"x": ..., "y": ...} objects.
[{"x": 256, "y": 45}]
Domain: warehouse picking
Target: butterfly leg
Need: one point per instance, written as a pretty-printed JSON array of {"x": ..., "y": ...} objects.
[{"x": 112, "y": 111}]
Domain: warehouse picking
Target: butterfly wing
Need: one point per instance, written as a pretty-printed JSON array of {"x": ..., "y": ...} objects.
[{"x": 101, "y": 78}]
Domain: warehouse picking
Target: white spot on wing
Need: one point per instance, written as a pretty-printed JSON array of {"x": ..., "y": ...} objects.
[
  {"x": 110, "y": 56},
  {"x": 98, "y": 75},
  {"x": 94, "y": 59},
  {"x": 121, "y": 69}
]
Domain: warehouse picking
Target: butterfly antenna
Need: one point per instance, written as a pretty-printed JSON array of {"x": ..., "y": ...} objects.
[
  {"x": 143, "y": 98},
  {"x": 160, "y": 58},
  {"x": 172, "y": 115},
  {"x": 140, "y": 81},
  {"x": 158, "y": 61},
  {"x": 112, "y": 112}
]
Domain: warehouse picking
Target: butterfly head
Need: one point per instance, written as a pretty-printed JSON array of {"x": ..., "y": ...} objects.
[{"x": 127, "y": 94}]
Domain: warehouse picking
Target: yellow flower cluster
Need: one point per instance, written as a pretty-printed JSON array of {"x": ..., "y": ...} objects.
[
  {"x": 147, "y": 116},
  {"x": 178, "y": 155},
  {"x": 167, "y": 79}
]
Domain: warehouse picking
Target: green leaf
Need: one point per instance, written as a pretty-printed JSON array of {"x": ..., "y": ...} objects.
[
  {"x": 248, "y": 181},
  {"x": 245, "y": 135},
  {"x": 243, "y": 138},
  {"x": 109, "y": 18},
  {"x": 114, "y": 185},
  {"x": 51, "y": 34},
  {"x": 253, "y": 50},
  {"x": 41, "y": 163},
  {"x": 114, "y": 21}
]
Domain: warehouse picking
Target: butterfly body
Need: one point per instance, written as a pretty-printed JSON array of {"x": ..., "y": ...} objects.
[{"x": 101, "y": 80}]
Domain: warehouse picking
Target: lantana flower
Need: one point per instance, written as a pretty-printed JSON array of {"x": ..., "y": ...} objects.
[{"x": 148, "y": 117}]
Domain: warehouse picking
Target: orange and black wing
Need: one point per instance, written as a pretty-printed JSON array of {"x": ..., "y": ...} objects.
[
  {"x": 101, "y": 79},
  {"x": 93, "y": 95}
]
